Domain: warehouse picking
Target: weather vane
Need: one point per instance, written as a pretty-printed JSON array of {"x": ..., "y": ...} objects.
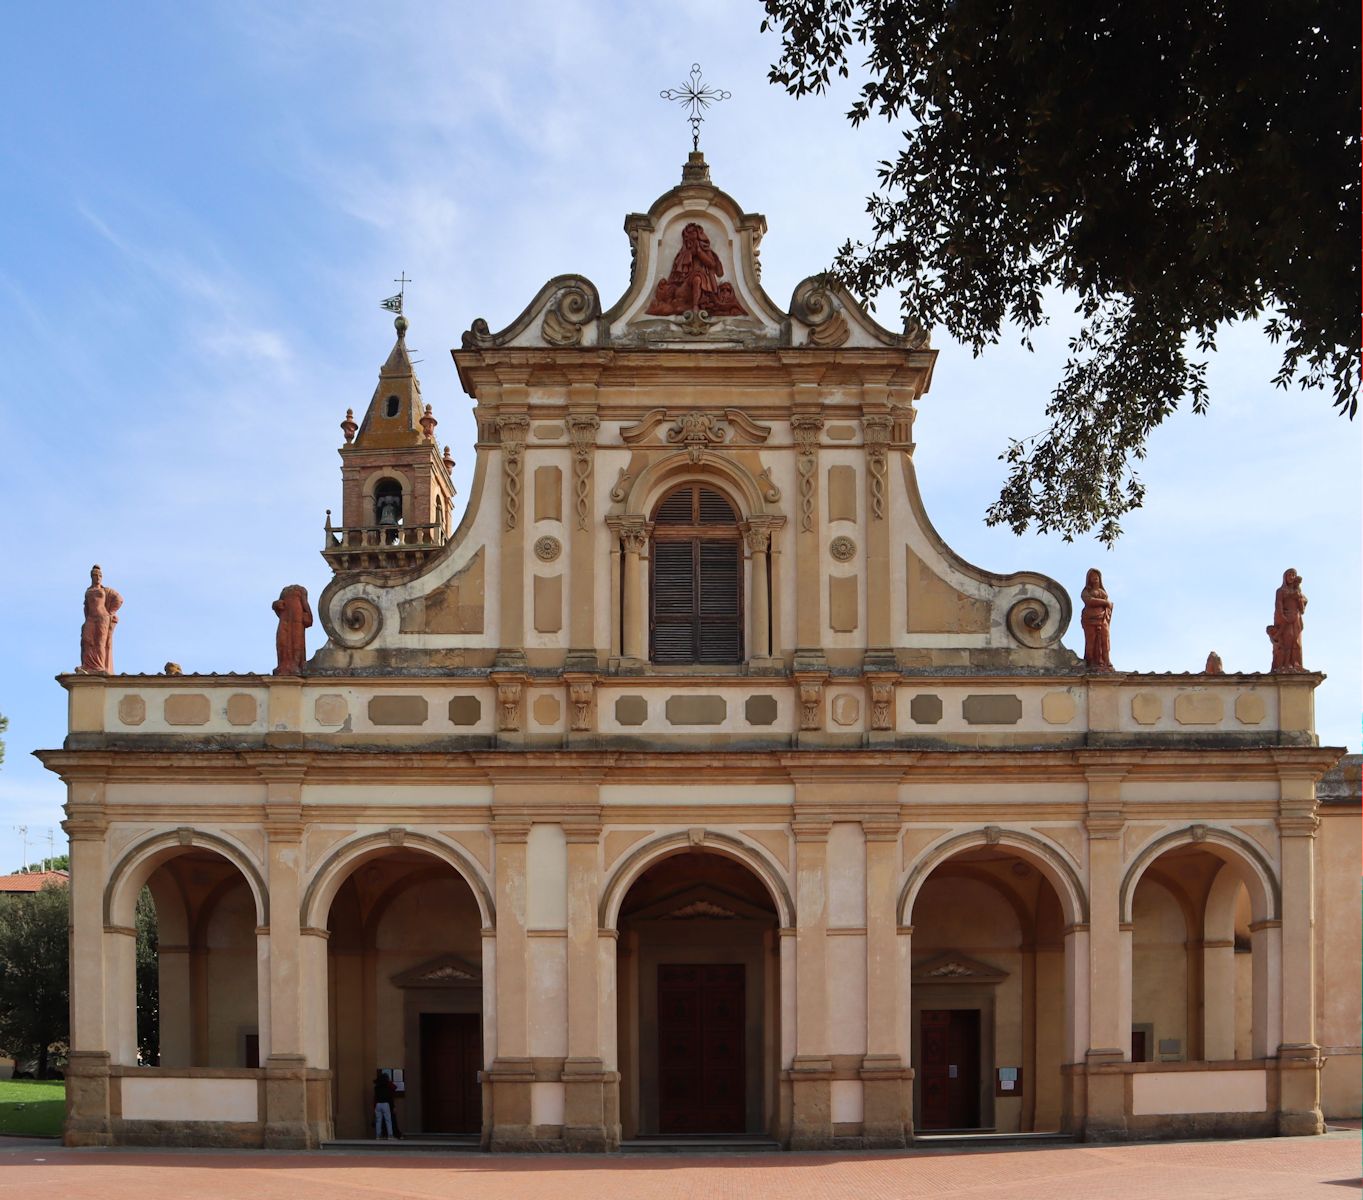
[
  {"x": 696, "y": 96},
  {"x": 394, "y": 303}
]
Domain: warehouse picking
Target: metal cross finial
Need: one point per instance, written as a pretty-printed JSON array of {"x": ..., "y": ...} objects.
[
  {"x": 696, "y": 96},
  {"x": 394, "y": 303}
]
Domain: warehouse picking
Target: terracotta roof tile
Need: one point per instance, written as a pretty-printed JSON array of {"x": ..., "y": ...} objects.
[{"x": 33, "y": 881}]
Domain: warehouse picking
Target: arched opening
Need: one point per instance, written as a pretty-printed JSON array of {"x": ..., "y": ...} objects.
[
  {"x": 1193, "y": 986},
  {"x": 698, "y": 999},
  {"x": 195, "y": 981},
  {"x": 989, "y": 995},
  {"x": 405, "y": 988},
  {"x": 696, "y": 579},
  {"x": 388, "y": 502}
]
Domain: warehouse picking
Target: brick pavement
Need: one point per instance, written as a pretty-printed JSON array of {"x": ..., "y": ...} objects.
[{"x": 1267, "y": 1169}]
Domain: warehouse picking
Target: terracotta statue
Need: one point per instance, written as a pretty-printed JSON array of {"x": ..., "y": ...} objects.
[
  {"x": 1097, "y": 622},
  {"x": 97, "y": 633},
  {"x": 693, "y": 284},
  {"x": 1285, "y": 633},
  {"x": 1213, "y": 666},
  {"x": 295, "y": 617}
]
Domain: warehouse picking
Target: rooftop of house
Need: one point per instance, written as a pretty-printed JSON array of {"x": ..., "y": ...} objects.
[{"x": 31, "y": 881}]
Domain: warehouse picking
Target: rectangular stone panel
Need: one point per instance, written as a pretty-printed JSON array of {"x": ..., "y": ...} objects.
[
  {"x": 398, "y": 710},
  {"x": 548, "y": 494},
  {"x": 760, "y": 710},
  {"x": 842, "y": 603},
  {"x": 1199, "y": 708},
  {"x": 696, "y": 710},
  {"x": 842, "y": 493},
  {"x": 187, "y": 709},
  {"x": 466, "y": 710},
  {"x": 548, "y": 603},
  {"x": 241, "y": 709},
  {"x": 925, "y": 709},
  {"x": 992, "y": 710},
  {"x": 631, "y": 710}
]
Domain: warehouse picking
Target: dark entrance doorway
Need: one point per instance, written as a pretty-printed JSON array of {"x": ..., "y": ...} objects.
[
  {"x": 451, "y": 1057},
  {"x": 701, "y": 1069},
  {"x": 949, "y": 1068}
]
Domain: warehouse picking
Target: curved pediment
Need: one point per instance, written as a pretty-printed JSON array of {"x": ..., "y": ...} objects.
[{"x": 695, "y": 283}]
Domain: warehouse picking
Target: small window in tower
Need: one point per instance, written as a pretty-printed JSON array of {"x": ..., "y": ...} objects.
[{"x": 391, "y": 406}]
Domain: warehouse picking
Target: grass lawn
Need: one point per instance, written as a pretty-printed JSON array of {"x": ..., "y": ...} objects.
[{"x": 32, "y": 1107}]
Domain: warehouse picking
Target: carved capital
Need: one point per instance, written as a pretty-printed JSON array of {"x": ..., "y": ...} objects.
[
  {"x": 811, "y": 703},
  {"x": 634, "y": 533},
  {"x": 510, "y": 693},
  {"x": 757, "y": 538},
  {"x": 882, "y": 702},
  {"x": 581, "y": 694}
]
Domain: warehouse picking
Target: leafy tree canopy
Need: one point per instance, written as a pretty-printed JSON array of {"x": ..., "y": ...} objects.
[
  {"x": 1172, "y": 167},
  {"x": 33, "y": 973}
]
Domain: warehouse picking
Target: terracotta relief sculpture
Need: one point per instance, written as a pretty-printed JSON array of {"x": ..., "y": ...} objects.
[
  {"x": 295, "y": 617},
  {"x": 1097, "y": 622},
  {"x": 693, "y": 284},
  {"x": 97, "y": 632},
  {"x": 1289, "y": 604}
]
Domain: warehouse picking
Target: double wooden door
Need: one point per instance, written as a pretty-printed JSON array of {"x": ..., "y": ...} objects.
[
  {"x": 949, "y": 1068},
  {"x": 451, "y": 1057},
  {"x": 702, "y": 1074}
]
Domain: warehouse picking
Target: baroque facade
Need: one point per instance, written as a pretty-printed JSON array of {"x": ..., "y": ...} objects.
[{"x": 691, "y": 784}]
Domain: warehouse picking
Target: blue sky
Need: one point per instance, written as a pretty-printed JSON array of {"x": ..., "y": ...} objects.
[{"x": 201, "y": 206}]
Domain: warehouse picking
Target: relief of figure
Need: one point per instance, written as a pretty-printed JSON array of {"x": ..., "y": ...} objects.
[
  {"x": 1097, "y": 622},
  {"x": 295, "y": 617},
  {"x": 97, "y": 632},
  {"x": 693, "y": 284},
  {"x": 1289, "y": 605}
]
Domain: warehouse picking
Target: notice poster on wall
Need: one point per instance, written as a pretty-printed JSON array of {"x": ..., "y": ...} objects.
[
  {"x": 1008, "y": 1081},
  {"x": 395, "y": 1076}
]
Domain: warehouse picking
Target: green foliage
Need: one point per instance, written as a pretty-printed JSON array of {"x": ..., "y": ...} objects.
[
  {"x": 33, "y": 973},
  {"x": 148, "y": 982},
  {"x": 32, "y": 1107},
  {"x": 1171, "y": 167}
]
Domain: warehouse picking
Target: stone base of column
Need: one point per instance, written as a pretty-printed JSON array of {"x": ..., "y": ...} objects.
[
  {"x": 287, "y": 1124},
  {"x": 87, "y": 1099},
  {"x": 1299, "y": 1113},
  {"x": 887, "y": 1102},
  {"x": 512, "y": 1127},
  {"x": 591, "y": 1106},
  {"x": 811, "y": 1095},
  {"x": 1104, "y": 1098}
]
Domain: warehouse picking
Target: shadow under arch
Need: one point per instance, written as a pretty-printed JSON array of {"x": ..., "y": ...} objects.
[
  {"x": 669, "y": 844},
  {"x": 1264, "y": 889},
  {"x": 140, "y": 860},
  {"x": 341, "y": 862},
  {"x": 1047, "y": 858}
]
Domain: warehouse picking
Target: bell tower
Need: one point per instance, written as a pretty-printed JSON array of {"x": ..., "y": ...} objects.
[{"x": 396, "y": 492}]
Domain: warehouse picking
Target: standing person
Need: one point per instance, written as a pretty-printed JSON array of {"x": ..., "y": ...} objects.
[{"x": 383, "y": 1103}]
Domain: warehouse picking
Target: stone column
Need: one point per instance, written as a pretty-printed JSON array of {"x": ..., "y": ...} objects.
[
  {"x": 513, "y": 424},
  {"x": 758, "y": 539},
  {"x": 286, "y": 1084},
  {"x": 806, "y": 425},
  {"x": 1218, "y": 999},
  {"x": 585, "y": 1078},
  {"x": 512, "y": 1071},
  {"x": 87, "y": 1074},
  {"x": 634, "y": 624},
  {"x": 811, "y": 1068},
  {"x": 885, "y": 1081},
  {"x": 875, "y": 425},
  {"x": 1109, "y": 960},
  {"x": 583, "y": 424},
  {"x": 1299, "y": 1054}
]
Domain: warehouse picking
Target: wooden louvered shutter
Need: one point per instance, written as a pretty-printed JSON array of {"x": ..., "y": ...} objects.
[{"x": 697, "y": 579}]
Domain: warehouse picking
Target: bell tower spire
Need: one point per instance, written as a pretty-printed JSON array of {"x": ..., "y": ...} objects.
[{"x": 395, "y": 483}]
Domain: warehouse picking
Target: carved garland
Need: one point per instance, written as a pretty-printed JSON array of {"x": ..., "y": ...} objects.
[
  {"x": 512, "y": 429},
  {"x": 877, "y": 433},
  {"x": 582, "y": 430},
  {"x": 806, "y": 430}
]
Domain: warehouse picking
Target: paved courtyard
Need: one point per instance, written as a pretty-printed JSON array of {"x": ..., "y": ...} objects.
[{"x": 1277, "y": 1168}]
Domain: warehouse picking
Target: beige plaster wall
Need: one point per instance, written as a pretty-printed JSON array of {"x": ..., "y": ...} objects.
[
  {"x": 1339, "y": 929},
  {"x": 230, "y": 997},
  {"x": 1159, "y": 965},
  {"x": 190, "y": 1099},
  {"x": 1179, "y": 1092}
]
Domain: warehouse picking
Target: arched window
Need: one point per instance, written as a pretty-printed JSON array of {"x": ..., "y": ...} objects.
[
  {"x": 696, "y": 609},
  {"x": 388, "y": 502}
]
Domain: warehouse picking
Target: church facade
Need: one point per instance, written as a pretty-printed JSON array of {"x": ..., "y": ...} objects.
[{"x": 689, "y": 784}]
